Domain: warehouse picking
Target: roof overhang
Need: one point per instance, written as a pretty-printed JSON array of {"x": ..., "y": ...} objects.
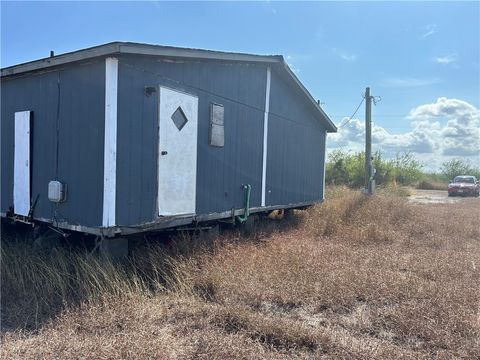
[
  {"x": 134, "y": 49},
  {"x": 115, "y": 48}
]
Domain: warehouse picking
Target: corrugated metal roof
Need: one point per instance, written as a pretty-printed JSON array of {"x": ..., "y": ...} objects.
[{"x": 164, "y": 51}]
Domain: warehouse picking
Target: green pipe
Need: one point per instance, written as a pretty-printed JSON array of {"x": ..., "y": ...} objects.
[{"x": 244, "y": 217}]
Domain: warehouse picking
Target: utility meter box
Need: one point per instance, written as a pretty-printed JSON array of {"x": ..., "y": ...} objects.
[{"x": 57, "y": 192}]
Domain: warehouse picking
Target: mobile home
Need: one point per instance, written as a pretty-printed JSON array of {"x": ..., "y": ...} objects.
[{"x": 124, "y": 138}]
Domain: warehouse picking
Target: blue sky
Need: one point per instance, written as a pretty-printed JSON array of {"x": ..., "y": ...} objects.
[{"x": 421, "y": 58}]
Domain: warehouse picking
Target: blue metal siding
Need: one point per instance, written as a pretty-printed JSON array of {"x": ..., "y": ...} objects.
[
  {"x": 81, "y": 146},
  {"x": 38, "y": 94},
  {"x": 296, "y": 139},
  {"x": 137, "y": 138},
  {"x": 77, "y": 93},
  {"x": 221, "y": 172},
  {"x": 287, "y": 101}
]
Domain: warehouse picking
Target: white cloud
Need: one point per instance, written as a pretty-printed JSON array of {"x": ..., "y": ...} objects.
[
  {"x": 445, "y": 60},
  {"x": 407, "y": 82},
  {"x": 443, "y": 107},
  {"x": 429, "y": 30},
  {"x": 439, "y": 131},
  {"x": 344, "y": 55}
]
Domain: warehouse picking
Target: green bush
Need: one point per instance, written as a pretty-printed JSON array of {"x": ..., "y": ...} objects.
[
  {"x": 345, "y": 168},
  {"x": 456, "y": 167}
]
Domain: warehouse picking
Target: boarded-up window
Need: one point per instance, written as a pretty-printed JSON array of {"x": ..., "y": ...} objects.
[{"x": 217, "y": 133}]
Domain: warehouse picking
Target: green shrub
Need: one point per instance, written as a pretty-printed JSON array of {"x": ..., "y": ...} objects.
[
  {"x": 456, "y": 167},
  {"x": 345, "y": 168}
]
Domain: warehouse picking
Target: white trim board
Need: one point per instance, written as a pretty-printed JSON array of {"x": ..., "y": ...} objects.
[
  {"x": 21, "y": 164},
  {"x": 265, "y": 136},
  {"x": 110, "y": 146}
]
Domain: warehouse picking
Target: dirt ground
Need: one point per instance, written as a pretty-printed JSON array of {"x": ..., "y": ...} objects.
[
  {"x": 434, "y": 197},
  {"x": 357, "y": 277}
]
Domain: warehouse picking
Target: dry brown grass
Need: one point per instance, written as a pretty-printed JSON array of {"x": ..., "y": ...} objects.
[
  {"x": 430, "y": 184},
  {"x": 374, "y": 278}
]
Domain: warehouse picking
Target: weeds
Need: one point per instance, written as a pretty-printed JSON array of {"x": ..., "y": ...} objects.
[
  {"x": 431, "y": 184},
  {"x": 355, "y": 277},
  {"x": 35, "y": 286}
]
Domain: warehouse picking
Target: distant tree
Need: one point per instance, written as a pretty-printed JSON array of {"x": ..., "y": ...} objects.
[
  {"x": 456, "y": 167},
  {"x": 406, "y": 168},
  {"x": 346, "y": 168}
]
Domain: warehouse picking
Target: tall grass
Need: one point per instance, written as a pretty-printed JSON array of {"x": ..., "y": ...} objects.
[
  {"x": 35, "y": 285},
  {"x": 432, "y": 184},
  {"x": 38, "y": 285},
  {"x": 355, "y": 277}
]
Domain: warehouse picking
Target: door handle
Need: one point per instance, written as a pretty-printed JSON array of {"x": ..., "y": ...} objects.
[{"x": 164, "y": 152}]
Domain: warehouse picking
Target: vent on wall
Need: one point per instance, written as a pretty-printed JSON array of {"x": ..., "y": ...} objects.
[{"x": 217, "y": 133}]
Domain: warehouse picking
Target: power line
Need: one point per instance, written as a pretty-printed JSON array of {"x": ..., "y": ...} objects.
[{"x": 350, "y": 118}]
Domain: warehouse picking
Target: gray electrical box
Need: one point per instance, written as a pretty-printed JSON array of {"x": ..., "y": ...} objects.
[{"x": 57, "y": 192}]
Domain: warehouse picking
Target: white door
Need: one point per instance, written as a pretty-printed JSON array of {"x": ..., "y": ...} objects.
[
  {"x": 177, "y": 158},
  {"x": 21, "y": 164}
]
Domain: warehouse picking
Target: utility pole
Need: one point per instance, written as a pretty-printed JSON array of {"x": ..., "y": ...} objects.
[{"x": 369, "y": 172}]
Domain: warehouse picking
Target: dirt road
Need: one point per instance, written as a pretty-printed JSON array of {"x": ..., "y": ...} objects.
[{"x": 433, "y": 197}]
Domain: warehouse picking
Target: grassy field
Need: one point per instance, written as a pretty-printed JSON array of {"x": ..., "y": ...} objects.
[
  {"x": 353, "y": 278},
  {"x": 429, "y": 184}
]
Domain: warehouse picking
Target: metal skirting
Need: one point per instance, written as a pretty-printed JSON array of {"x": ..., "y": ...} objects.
[{"x": 166, "y": 222}]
